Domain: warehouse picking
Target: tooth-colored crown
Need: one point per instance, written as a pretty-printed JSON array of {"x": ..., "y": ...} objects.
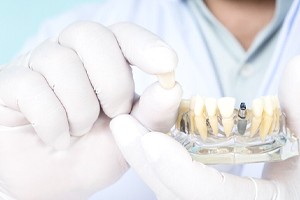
[
  {"x": 167, "y": 80},
  {"x": 226, "y": 106}
]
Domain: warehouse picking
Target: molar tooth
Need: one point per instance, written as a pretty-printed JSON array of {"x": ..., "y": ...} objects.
[
  {"x": 211, "y": 108},
  {"x": 200, "y": 118},
  {"x": 183, "y": 108},
  {"x": 257, "y": 109},
  {"x": 226, "y": 107},
  {"x": 267, "y": 117}
]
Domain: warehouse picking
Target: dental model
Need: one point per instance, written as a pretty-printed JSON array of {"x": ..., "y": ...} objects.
[
  {"x": 226, "y": 107},
  {"x": 211, "y": 109},
  {"x": 192, "y": 115},
  {"x": 214, "y": 132},
  {"x": 183, "y": 108},
  {"x": 267, "y": 117},
  {"x": 200, "y": 117},
  {"x": 204, "y": 113},
  {"x": 242, "y": 119},
  {"x": 276, "y": 114},
  {"x": 257, "y": 110}
]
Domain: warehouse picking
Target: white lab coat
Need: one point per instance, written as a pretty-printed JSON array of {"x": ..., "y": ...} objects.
[{"x": 173, "y": 22}]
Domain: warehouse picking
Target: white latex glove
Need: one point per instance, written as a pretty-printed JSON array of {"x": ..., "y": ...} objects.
[
  {"x": 52, "y": 98},
  {"x": 168, "y": 169}
]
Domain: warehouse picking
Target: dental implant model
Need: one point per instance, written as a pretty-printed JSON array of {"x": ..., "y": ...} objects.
[{"x": 214, "y": 132}]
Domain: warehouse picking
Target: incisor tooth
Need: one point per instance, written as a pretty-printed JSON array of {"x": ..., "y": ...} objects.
[
  {"x": 200, "y": 118},
  {"x": 211, "y": 106},
  {"x": 211, "y": 109},
  {"x": 183, "y": 108},
  {"x": 226, "y": 107},
  {"x": 256, "y": 121},
  {"x": 199, "y": 106},
  {"x": 167, "y": 80},
  {"x": 257, "y": 109},
  {"x": 267, "y": 117}
]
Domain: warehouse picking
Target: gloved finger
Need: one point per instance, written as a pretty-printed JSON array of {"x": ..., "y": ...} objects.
[
  {"x": 289, "y": 93},
  {"x": 28, "y": 92},
  {"x": 147, "y": 51},
  {"x": 287, "y": 173},
  {"x": 193, "y": 180},
  {"x": 105, "y": 65},
  {"x": 128, "y": 132},
  {"x": 67, "y": 77},
  {"x": 157, "y": 107},
  {"x": 10, "y": 117}
]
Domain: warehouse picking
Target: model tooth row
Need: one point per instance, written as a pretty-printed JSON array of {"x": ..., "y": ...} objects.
[
  {"x": 264, "y": 118},
  {"x": 266, "y": 113},
  {"x": 203, "y": 109}
]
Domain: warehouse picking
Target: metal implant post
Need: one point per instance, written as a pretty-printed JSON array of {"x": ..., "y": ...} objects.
[{"x": 242, "y": 121}]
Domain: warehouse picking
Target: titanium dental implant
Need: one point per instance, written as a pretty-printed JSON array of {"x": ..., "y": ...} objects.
[{"x": 242, "y": 121}]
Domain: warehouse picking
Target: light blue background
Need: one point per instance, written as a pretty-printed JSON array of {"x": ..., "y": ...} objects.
[{"x": 21, "y": 19}]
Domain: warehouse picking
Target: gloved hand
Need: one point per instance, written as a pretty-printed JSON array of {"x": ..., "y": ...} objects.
[
  {"x": 168, "y": 169},
  {"x": 56, "y": 104}
]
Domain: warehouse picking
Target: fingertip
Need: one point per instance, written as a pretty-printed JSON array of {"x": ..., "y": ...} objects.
[
  {"x": 126, "y": 130},
  {"x": 80, "y": 132},
  {"x": 161, "y": 57},
  {"x": 161, "y": 103},
  {"x": 81, "y": 125},
  {"x": 144, "y": 49},
  {"x": 121, "y": 105}
]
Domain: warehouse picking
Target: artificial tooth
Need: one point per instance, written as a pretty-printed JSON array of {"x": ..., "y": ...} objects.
[
  {"x": 183, "y": 108},
  {"x": 192, "y": 115},
  {"x": 199, "y": 106},
  {"x": 267, "y": 117},
  {"x": 276, "y": 113},
  {"x": 167, "y": 80},
  {"x": 257, "y": 109},
  {"x": 211, "y": 109},
  {"x": 200, "y": 118},
  {"x": 226, "y": 107}
]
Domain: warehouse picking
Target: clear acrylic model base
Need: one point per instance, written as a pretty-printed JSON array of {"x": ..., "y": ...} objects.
[{"x": 214, "y": 132}]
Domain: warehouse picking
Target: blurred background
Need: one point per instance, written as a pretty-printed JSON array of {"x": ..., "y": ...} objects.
[{"x": 21, "y": 19}]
